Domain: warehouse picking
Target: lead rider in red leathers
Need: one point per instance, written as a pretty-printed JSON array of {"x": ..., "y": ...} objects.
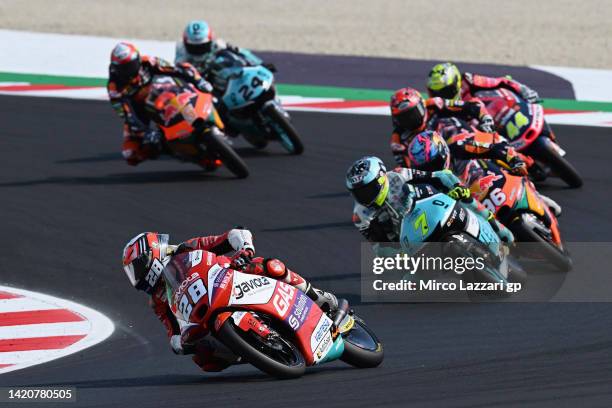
[{"x": 150, "y": 250}]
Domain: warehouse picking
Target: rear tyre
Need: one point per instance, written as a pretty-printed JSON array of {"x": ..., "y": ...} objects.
[
  {"x": 543, "y": 150},
  {"x": 362, "y": 348},
  {"x": 278, "y": 357},
  {"x": 556, "y": 256},
  {"x": 215, "y": 143},
  {"x": 285, "y": 132}
]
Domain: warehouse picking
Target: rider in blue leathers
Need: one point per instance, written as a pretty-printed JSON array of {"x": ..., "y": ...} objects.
[{"x": 382, "y": 198}]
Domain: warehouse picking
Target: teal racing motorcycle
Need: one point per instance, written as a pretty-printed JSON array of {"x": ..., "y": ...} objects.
[
  {"x": 464, "y": 233},
  {"x": 247, "y": 102}
]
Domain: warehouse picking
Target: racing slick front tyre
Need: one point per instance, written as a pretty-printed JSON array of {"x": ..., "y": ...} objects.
[
  {"x": 362, "y": 349},
  {"x": 277, "y": 357},
  {"x": 285, "y": 132},
  {"x": 542, "y": 149},
  {"x": 556, "y": 256},
  {"x": 215, "y": 142}
]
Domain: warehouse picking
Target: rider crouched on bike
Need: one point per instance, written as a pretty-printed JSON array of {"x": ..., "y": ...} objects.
[
  {"x": 411, "y": 113},
  {"x": 429, "y": 151},
  {"x": 145, "y": 256},
  {"x": 129, "y": 76},
  {"x": 445, "y": 81},
  {"x": 383, "y": 199},
  {"x": 199, "y": 46}
]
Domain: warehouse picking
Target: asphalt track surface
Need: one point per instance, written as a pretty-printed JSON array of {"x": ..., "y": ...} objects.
[
  {"x": 69, "y": 203},
  {"x": 395, "y": 73}
]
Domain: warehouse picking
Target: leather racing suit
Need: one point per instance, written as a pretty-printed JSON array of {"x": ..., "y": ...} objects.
[{"x": 128, "y": 100}]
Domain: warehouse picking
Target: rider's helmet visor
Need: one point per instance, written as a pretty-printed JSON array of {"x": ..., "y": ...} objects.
[
  {"x": 411, "y": 119},
  {"x": 372, "y": 193},
  {"x": 199, "y": 49}
]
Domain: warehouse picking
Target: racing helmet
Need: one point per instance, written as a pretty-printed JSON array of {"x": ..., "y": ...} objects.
[
  {"x": 408, "y": 109},
  {"x": 367, "y": 181},
  {"x": 125, "y": 62},
  {"x": 198, "y": 37},
  {"x": 143, "y": 258},
  {"x": 428, "y": 151},
  {"x": 444, "y": 81}
]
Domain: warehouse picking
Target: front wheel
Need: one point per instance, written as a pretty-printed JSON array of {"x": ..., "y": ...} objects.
[
  {"x": 216, "y": 144},
  {"x": 543, "y": 149},
  {"x": 551, "y": 252},
  {"x": 283, "y": 129},
  {"x": 362, "y": 348},
  {"x": 274, "y": 355}
]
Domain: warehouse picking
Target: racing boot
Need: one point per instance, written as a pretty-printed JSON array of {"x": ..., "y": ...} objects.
[
  {"x": 276, "y": 269},
  {"x": 552, "y": 205}
]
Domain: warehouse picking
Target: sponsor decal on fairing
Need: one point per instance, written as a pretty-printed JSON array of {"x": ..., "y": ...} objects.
[
  {"x": 321, "y": 339},
  {"x": 251, "y": 289},
  {"x": 299, "y": 312}
]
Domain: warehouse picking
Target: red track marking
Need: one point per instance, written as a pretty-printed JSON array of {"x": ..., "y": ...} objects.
[
  {"x": 552, "y": 111},
  {"x": 8, "y": 295},
  {"x": 5, "y": 365},
  {"x": 39, "y": 343},
  {"x": 339, "y": 104},
  {"x": 39, "y": 316}
]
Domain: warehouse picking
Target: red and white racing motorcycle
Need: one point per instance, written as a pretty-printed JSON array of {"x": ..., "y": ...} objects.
[{"x": 270, "y": 324}]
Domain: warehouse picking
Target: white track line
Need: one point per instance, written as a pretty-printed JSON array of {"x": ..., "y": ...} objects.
[
  {"x": 44, "y": 330},
  {"x": 24, "y": 304}
]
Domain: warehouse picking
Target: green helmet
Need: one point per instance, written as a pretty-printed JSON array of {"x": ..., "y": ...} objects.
[{"x": 444, "y": 80}]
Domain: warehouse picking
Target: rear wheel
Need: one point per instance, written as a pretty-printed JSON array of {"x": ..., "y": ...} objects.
[
  {"x": 551, "y": 252},
  {"x": 216, "y": 144},
  {"x": 361, "y": 346},
  {"x": 470, "y": 246},
  {"x": 543, "y": 150},
  {"x": 284, "y": 130},
  {"x": 274, "y": 355}
]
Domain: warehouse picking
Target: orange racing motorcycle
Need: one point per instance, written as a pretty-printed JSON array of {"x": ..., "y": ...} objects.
[{"x": 190, "y": 126}]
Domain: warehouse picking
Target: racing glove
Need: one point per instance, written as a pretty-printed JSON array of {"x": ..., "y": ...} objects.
[
  {"x": 459, "y": 192},
  {"x": 240, "y": 239},
  {"x": 204, "y": 86},
  {"x": 270, "y": 66},
  {"x": 232, "y": 48},
  {"x": 517, "y": 166},
  {"x": 529, "y": 94},
  {"x": 487, "y": 124},
  {"x": 506, "y": 153},
  {"x": 242, "y": 259}
]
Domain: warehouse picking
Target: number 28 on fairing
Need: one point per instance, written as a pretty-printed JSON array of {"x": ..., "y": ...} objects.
[{"x": 194, "y": 293}]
